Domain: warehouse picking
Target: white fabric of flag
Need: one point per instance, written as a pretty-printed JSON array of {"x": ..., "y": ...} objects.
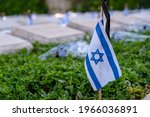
[{"x": 101, "y": 64}]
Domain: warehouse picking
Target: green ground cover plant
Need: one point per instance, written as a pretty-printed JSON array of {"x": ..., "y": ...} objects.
[
  {"x": 24, "y": 76},
  {"x": 94, "y": 5},
  {"x": 13, "y": 7}
]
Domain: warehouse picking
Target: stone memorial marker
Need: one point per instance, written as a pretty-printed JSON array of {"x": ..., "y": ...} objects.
[
  {"x": 47, "y": 33},
  {"x": 144, "y": 16},
  {"x": 120, "y": 18},
  {"x": 87, "y": 25},
  {"x": 9, "y": 43},
  {"x": 7, "y": 22}
]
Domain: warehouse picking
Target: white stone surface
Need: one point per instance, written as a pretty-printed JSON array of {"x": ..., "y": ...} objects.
[
  {"x": 9, "y": 43},
  {"x": 88, "y": 24},
  {"x": 144, "y": 16},
  {"x": 120, "y": 18},
  {"x": 47, "y": 33},
  {"x": 8, "y": 22},
  {"x": 38, "y": 19}
]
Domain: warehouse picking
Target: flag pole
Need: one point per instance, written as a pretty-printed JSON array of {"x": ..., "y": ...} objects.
[
  {"x": 100, "y": 94},
  {"x": 101, "y": 16},
  {"x": 102, "y": 13}
]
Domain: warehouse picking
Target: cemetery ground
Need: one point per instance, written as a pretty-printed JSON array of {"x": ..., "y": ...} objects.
[{"x": 24, "y": 76}]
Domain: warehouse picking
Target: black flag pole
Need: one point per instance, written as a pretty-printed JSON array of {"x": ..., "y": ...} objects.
[{"x": 107, "y": 15}]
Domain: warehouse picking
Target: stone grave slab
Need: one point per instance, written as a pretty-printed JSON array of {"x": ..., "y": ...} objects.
[
  {"x": 144, "y": 16},
  {"x": 7, "y": 22},
  {"x": 88, "y": 25},
  {"x": 47, "y": 33},
  {"x": 120, "y": 18},
  {"x": 9, "y": 43},
  {"x": 38, "y": 19}
]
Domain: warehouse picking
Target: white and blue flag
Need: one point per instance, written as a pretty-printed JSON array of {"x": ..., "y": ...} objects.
[{"x": 101, "y": 63}]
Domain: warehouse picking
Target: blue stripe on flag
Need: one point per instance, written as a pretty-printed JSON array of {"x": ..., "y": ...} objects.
[
  {"x": 92, "y": 74},
  {"x": 107, "y": 51}
]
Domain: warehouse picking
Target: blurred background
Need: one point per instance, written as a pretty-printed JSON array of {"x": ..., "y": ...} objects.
[
  {"x": 11, "y": 7},
  {"x": 43, "y": 44}
]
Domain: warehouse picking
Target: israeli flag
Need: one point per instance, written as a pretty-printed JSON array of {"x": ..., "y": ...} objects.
[{"x": 101, "y": 63}]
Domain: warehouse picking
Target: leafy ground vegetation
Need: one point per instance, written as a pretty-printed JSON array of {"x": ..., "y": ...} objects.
[
  {"x": 93, "y": 5},
  {"x": 24, "y": 76},
  {"x": 22, "y": 6},
  {"x": 40, "y": 6}
]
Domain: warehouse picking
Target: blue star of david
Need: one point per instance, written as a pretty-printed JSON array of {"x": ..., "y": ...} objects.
[{"x": 97, "y": 56}]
